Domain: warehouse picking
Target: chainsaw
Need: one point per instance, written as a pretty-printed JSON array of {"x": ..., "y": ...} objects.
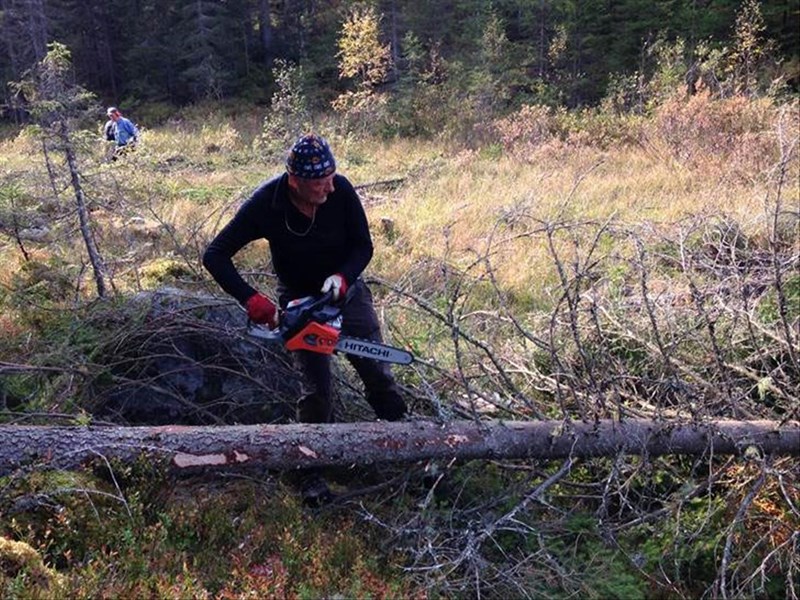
[{"x": 315, "y": 324}]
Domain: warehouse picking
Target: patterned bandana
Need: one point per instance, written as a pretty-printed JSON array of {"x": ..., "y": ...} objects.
[{"x": 310, "y": 158}]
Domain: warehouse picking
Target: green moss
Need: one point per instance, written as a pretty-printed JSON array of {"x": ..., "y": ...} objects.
[
  {"x": 688, "y": 544},
  {"x": 206, "y": 535},
  {"x": 163, "y": 271},
  {"x": 43, "y": 282}
]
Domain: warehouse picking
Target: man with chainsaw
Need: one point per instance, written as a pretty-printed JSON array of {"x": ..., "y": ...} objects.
[{"x": 319, "y": 242}]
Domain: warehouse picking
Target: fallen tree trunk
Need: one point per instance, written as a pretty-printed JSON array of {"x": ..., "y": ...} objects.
[{"x": 304, "y": 445}]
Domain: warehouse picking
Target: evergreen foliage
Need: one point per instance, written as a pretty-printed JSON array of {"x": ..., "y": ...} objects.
[
  {"x": 506, "y": 52},
  {"x": 58, "y": 106}
]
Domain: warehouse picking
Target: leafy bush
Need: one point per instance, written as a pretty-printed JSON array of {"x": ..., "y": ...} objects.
[
  {"x": 537, "y": 129},
  {"x": 732, "y": 135}
]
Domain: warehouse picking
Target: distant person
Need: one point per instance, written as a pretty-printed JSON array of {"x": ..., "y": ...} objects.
[{"x": 121, "y": 130}]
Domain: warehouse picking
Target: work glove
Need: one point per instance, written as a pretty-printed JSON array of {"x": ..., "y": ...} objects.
[
  {"x": 261, "y": 309},
  {"x": 335, "y": 284}
]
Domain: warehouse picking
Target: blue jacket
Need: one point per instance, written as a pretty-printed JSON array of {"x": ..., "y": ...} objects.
[{"x": 124, "y": 131}]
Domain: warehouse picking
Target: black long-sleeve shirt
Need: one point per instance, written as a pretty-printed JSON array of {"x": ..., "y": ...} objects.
[{"x": 304, "y": 251}]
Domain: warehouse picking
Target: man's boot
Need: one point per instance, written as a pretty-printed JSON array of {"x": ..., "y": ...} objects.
[{"x": 314, "y": 490}]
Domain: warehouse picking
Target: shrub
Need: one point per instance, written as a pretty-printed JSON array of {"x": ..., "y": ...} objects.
[
  {"x": 288, "y": 115},
  {"x": 536, "y": 128},
  {"x": 529, "y": 127},
  {"x": 734, "y": 135}
]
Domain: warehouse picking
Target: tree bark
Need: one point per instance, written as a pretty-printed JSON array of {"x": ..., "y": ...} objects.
[
  {"x": 306, "y": 445},
  {"x": 96, "y": 260},
  {"x": 265, "y": 29}
]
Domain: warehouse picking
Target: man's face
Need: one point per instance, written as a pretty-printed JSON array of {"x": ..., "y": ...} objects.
[
  {"x": 312, "y": 191},
  {"x": 114, "y": 116}
]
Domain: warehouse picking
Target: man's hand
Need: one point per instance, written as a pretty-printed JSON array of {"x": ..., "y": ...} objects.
[
  {"x": 261, "y": 309},
  {"x": 336, "y": 284}
]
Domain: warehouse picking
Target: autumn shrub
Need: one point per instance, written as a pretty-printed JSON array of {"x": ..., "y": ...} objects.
[
  {"x": 602, "y": 129},
  {"x": 736, "y": 136},
  {"x": 536, "y": 130},
  {"x": 526, "y": 129}
]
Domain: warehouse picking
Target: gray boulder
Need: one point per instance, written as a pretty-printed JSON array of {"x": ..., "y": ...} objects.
[{"x": 184, "y": 358}]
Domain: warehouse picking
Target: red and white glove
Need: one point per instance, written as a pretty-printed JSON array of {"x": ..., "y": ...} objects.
[
  {"x": 335, "y": 284},
  {"x": 261, "y": 309}
]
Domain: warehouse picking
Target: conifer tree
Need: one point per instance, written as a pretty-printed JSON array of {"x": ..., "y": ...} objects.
[
  {"x": 57, "y": 105},
  {"x": 24, "y": 31}
]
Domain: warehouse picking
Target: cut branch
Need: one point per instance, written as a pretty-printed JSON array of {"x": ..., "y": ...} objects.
[{"x": 306, "y": 445}]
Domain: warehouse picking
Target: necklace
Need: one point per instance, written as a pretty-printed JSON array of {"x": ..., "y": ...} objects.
[{"x": 298, "y": 233}]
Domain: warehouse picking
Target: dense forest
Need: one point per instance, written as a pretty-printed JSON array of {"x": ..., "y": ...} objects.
[
  {"x": 586, "y": 228},
  {"x": 556, "y": 52}
]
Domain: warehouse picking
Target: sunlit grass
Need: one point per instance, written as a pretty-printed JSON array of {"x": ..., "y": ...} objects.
[
  {"x": 453, "y": 206},
  {"x": 452, "y": 213}
]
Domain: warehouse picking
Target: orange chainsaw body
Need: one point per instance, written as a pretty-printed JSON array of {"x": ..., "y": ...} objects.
[{"x": 315, "y": 337}]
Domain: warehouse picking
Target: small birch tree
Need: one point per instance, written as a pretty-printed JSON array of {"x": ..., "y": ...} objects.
[
  {"x": 288, "y": 116},
  {"x": 751, "y": 49},
  {"x": 365, "y": 60}
]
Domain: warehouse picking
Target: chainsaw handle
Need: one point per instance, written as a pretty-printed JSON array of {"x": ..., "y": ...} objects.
[
  {"x": 321, "y": 309},
  {"x": 326, "y": 298}
]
